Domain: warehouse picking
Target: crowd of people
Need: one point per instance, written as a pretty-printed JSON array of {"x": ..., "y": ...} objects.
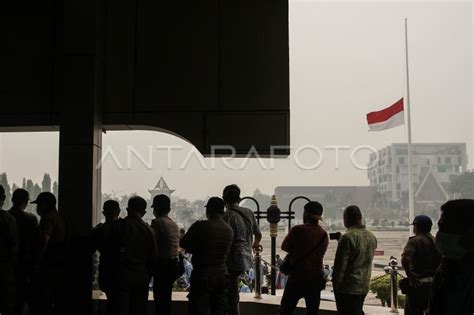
[{"x": 217, "y": 256}]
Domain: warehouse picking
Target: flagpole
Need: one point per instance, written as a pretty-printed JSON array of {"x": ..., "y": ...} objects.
[{"x": 411, "y": 197}]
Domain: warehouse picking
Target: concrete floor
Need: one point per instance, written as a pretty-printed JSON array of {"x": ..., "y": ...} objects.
[{"x": 248, "y": 305}]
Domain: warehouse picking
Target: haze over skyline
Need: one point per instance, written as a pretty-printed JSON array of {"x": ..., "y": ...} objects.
[{"x": 346, "y": 59}]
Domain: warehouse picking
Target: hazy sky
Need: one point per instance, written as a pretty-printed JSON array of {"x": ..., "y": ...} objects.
[{"x": 347, "y": 58}]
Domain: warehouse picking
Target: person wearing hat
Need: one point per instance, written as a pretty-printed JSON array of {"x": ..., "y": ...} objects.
[
  {"x": 353, "y": 263},
  {"x": 8, "y": 258},
  {"x": 107, "y": 261},
  {"x": 167, "y": 244},
  {"x": 306, "y": 243},
  {"x": 49, "y": 276},
  {"x": 27, "y": 224},
  {"x": 132, "y": 240},
  {"x": 209, "y": 242},
  {"x": 420, "y": 259}
]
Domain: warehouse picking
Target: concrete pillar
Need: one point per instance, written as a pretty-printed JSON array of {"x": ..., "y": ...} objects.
[{"x": 78, "y": 85}]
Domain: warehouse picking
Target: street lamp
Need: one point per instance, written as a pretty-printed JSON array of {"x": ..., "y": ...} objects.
[{"x": 273, "y": 217}]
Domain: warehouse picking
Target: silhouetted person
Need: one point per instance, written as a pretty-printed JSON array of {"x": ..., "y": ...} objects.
[
  {"x": 307, "y": 244},
  {"x": 420, "y": 259},
  {"x": 167, "y": 241},
  {"x": 209, "y": 242},
  {"x": 49, "y": 278},
  {"x": 246, "y": 235},
  {"x": 8, "y": 258},
  {"x": 135, "y": 242},
  {"x": 27, "y": 224},
  {"x": 453, "y": 285},
  {"x": 108, "y": 260},
  {"x": 353, "y": 264}
]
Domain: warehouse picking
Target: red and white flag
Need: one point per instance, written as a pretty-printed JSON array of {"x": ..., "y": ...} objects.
[{"x": 387, "y": 118}]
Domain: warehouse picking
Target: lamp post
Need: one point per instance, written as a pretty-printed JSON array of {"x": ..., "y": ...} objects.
[{"x": 273, "y": 217}]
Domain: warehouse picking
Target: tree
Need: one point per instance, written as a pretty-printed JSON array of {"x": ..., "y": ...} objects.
[
  {"x": 462, "y": 186},
  {"x": 30, "y": 187},
  {"x": 46, "y": 183},
  {"x": 55, "y": 189},
  {"x": 6, "y": 186},
  {"x": 36, "y": 190}
]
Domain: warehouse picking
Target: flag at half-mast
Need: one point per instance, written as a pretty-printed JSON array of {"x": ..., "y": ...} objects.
[{"x": 387, "y": 118}]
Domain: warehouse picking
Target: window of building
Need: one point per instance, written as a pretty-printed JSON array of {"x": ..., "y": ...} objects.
[
  {"x": 439, "y": 160},
  {"x": 448, "y": 160},
  {"x": 442, "y": 169},
  {"x": 401, "y": 160}
]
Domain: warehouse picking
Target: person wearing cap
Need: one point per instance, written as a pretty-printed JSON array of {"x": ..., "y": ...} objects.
[
  {"x": 133, "y": 242},
  {"x": 49, "y": 275},
  {"x": 167, "y": 244},
  {"x": 209, "y": 242},
  {"x": 107, "y": 261},
  {"x": 452, "y": 291},
  {"x": 27, "y": 224},
  {"x": 306, "y": 243},
  {"x": 247, "y": 235},
  {"x": 353, "y": 264},
  {"x": 420, "y": 259},
  {"x": 8, "y": 258}
]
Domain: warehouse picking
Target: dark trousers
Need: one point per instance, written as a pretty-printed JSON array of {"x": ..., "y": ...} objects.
[
  {"x": 350, "y": 304},
  {"x": 208, "y": 294},
  {"x": 295, "y": 290},
  {"x": 131, "y": 298},
  {"x": 108, "y": 284},
  {"x": 23, "y": 282},
  {"x": 417, "y": 300},
  {"x": 7, "y": 289},
  {"x": 163, "y": 287},
  {"x": 48, "y": 294},
  {"x": 233, "y": 292},
  {"x": 111, "y": 300}
]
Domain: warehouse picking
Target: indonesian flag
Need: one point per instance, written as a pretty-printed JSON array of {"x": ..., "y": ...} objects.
[{"x": 387, "y": 118}]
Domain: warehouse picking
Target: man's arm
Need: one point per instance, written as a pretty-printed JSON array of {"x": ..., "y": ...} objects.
[
  {"x": 324, "y": 245},
  {"x": 287, "y": 244},
  {"x": 189, "y": 239},
  {"x": 156, "y": 228},
  {"x": 153, "y": 258},
  {"x": 14, "y": 240},
  {"x": 341, "y": 261},
  {"x": 45, "y": 231},
  {"x": 407, "y": 261}
]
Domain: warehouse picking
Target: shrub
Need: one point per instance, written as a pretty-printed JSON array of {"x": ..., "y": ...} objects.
[{"x": 380, "y": 286}]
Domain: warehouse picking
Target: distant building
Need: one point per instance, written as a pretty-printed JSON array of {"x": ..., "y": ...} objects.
[
  {"x": 161, "y": 188},
  {"x": 434, "y": 166}
]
